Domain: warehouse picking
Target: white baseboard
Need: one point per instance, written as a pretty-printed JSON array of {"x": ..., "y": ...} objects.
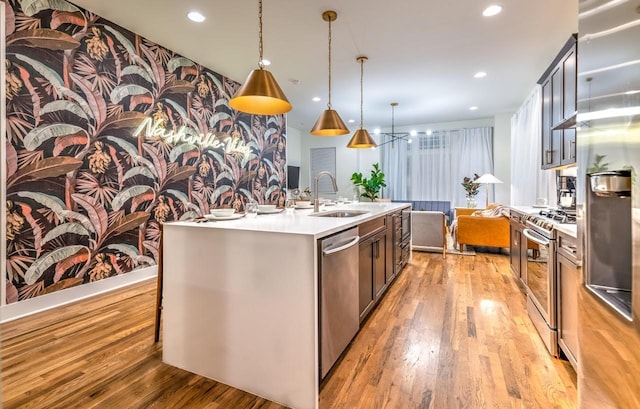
[{"x": 30, "y": 306}]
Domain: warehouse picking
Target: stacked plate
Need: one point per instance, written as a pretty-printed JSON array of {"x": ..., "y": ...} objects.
[
  {"x": 268, "y": 209},
  {"x": 224, "y": 214},
  {"x": 303, "y": 204}
]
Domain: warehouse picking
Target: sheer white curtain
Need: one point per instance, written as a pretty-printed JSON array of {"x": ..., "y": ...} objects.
[
  {"x": 528, "y": 181},
  {"x": 433, "y": 166}
]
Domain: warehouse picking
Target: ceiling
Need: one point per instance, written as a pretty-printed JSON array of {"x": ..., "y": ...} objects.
[{"x": 422, "y": 54}]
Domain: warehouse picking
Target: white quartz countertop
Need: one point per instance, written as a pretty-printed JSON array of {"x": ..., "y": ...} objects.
[
  {"x": 570, "y": 229},
  {"x": 529, "y": 209},
  {"x": 299, "y": 221}
]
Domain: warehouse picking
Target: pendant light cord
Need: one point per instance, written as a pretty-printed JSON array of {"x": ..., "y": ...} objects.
[
  {"x": 329, "y": 103},
  {"x": 260, "y": 63},
  {"x": 361, "y": 94}
]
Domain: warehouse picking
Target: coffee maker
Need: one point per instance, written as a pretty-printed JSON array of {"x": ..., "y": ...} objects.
[{"x": 566, "y": 192}]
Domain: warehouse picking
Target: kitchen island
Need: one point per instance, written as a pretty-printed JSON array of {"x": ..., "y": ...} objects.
[{"x": 240, "y": 299}]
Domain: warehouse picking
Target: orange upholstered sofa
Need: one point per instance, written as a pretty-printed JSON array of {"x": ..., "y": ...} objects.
[{"x": 482, "y": 231}]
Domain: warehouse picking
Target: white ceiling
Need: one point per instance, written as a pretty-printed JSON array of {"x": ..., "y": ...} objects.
[{"x": 422, "y": 54}]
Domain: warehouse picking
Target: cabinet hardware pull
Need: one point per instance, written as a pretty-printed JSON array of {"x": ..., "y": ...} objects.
[
  {"x": 549, "y": 155},
  {"x": 572, "y": 149}
]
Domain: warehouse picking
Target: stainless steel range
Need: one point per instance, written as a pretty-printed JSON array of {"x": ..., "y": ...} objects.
[{"x": 541, "y": 273}]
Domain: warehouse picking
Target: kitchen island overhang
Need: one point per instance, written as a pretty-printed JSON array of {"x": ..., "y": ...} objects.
[{"x": 240, "y": 300}]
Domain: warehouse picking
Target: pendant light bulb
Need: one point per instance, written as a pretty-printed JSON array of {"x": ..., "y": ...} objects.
[
  {"x": 329, "y": 123},
  {"x": 361, "y": 138},
  {"x": 260, "y": 94}
]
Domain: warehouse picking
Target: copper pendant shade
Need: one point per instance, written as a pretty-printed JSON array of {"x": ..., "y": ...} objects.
[
  {"x": 260, "y": 94},
  {"x": 329, "y": 123},
  {"x": 361, "y": 138}
]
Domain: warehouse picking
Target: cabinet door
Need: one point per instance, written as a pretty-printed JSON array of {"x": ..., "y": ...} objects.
[
  {"x": 557, "y": 95},
  {"x": 514, "y": 250},
  {"x": 546, "y": 124},
  {"x": 379, "y": 264},
  {"x": 568, "y": 308},
  {"x": 365, "y": 278},
  {"x": 568, "y": 147},
  {"x": 570, "y": 96}
]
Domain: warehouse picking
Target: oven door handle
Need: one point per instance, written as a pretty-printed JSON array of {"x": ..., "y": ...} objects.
[{"x": 535, "y": 237}]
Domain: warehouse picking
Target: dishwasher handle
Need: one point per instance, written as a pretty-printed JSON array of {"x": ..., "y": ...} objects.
[{"x": 350, "y": 243}]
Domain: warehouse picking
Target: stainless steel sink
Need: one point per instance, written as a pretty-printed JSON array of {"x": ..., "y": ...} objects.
[{"x": 339, "y": 213}]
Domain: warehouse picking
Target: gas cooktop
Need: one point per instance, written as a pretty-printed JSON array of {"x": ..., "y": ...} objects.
[{"x": 546, "y": 219}]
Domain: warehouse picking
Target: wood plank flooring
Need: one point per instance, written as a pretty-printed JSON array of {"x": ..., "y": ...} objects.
[{"x": 450, "y": 333}]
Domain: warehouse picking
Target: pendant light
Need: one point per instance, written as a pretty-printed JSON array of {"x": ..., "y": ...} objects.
[
  {"x": 260, "y": 94},
  {"x": 361, "y": 138},
  {"x": 329, "y": 123}
]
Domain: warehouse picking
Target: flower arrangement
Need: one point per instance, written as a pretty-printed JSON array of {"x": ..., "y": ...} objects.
[{"x": 471, "y": 188}]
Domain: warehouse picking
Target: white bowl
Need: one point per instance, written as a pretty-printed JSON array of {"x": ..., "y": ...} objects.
[
  {"x": 222, "y": 212},
  {"x": 266, "y": 208}
]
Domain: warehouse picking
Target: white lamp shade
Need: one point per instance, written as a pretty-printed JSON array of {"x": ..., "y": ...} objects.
[{"x": 487, "y": 178}]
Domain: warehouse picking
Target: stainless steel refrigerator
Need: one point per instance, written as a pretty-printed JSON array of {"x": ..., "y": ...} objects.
[{"x": 608, "y": 140}]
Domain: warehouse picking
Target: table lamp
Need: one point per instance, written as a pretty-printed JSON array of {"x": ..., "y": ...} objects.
[{"x": 487, "y": 179}]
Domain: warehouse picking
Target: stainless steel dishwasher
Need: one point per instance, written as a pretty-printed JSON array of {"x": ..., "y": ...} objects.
[{"x": 339, "y": 316}]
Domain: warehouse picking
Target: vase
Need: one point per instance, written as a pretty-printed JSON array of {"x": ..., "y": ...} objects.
[{"x": 471, "y": 203}]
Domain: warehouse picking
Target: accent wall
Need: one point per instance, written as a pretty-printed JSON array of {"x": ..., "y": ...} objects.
[{"x": 108, "y": 136}]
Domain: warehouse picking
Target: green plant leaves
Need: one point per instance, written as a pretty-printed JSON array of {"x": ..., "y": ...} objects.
[{"x": 372, "y": 185}]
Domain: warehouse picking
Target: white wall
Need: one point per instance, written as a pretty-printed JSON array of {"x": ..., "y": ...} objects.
[
  {"x": 293, "y": 146},
  {"x": 502, "y": 157}
]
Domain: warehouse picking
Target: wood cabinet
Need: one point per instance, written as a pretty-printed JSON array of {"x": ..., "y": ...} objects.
[
  {"x": 373, "y": 261},
  {"x": 384, "y": 251},
  {"x": 567, "y": 268},
  {"x": 559, "y": 108}
]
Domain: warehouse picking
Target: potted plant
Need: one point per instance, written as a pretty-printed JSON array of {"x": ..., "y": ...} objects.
[
  {"x": 472, "y": 189},
  {"x": 370, "y": 187}
]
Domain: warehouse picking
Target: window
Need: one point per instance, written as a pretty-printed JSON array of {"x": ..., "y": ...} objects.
[{"x": 433, "y": 141}]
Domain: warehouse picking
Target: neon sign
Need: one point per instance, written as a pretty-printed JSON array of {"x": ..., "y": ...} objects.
[{"x": 186, "y": 134}]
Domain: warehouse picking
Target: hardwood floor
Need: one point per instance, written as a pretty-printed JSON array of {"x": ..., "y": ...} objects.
[{"x": 449, "y": 333}]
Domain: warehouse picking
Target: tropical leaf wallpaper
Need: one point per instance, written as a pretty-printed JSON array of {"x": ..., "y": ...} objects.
[{"x": 109, "y": 135}]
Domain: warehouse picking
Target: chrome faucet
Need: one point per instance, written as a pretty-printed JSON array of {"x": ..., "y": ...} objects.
[{"x": 316, "y": 202}]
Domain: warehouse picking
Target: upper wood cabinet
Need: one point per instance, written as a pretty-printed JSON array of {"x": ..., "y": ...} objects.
[{"x": 559, "y": 108}]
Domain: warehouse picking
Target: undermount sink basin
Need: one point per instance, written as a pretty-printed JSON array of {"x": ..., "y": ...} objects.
[{"x": 339, "y": 213}]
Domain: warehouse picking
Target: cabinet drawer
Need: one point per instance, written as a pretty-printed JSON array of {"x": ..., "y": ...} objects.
[
  {"x": 371, "y": 227},
  {"x": 568, "y": 247}
]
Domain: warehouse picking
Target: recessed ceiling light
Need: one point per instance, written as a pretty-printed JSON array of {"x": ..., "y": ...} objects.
[
  {"x": 351, "y": 121},
  {"x": 429, "y": 132},
  {"x": 480, "y": 74},
  {"x": 492, "y": 10},
  {"x": 316, "y": 99},
  {"x": 410, "y": 140},
  {"x": 266, "y": 62},
  {"x": 376, "y": 131},
  {"x": 473, "y": 108},
  {"x": 413, "y": 132},
  {"x": 196, "y": 16}
]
